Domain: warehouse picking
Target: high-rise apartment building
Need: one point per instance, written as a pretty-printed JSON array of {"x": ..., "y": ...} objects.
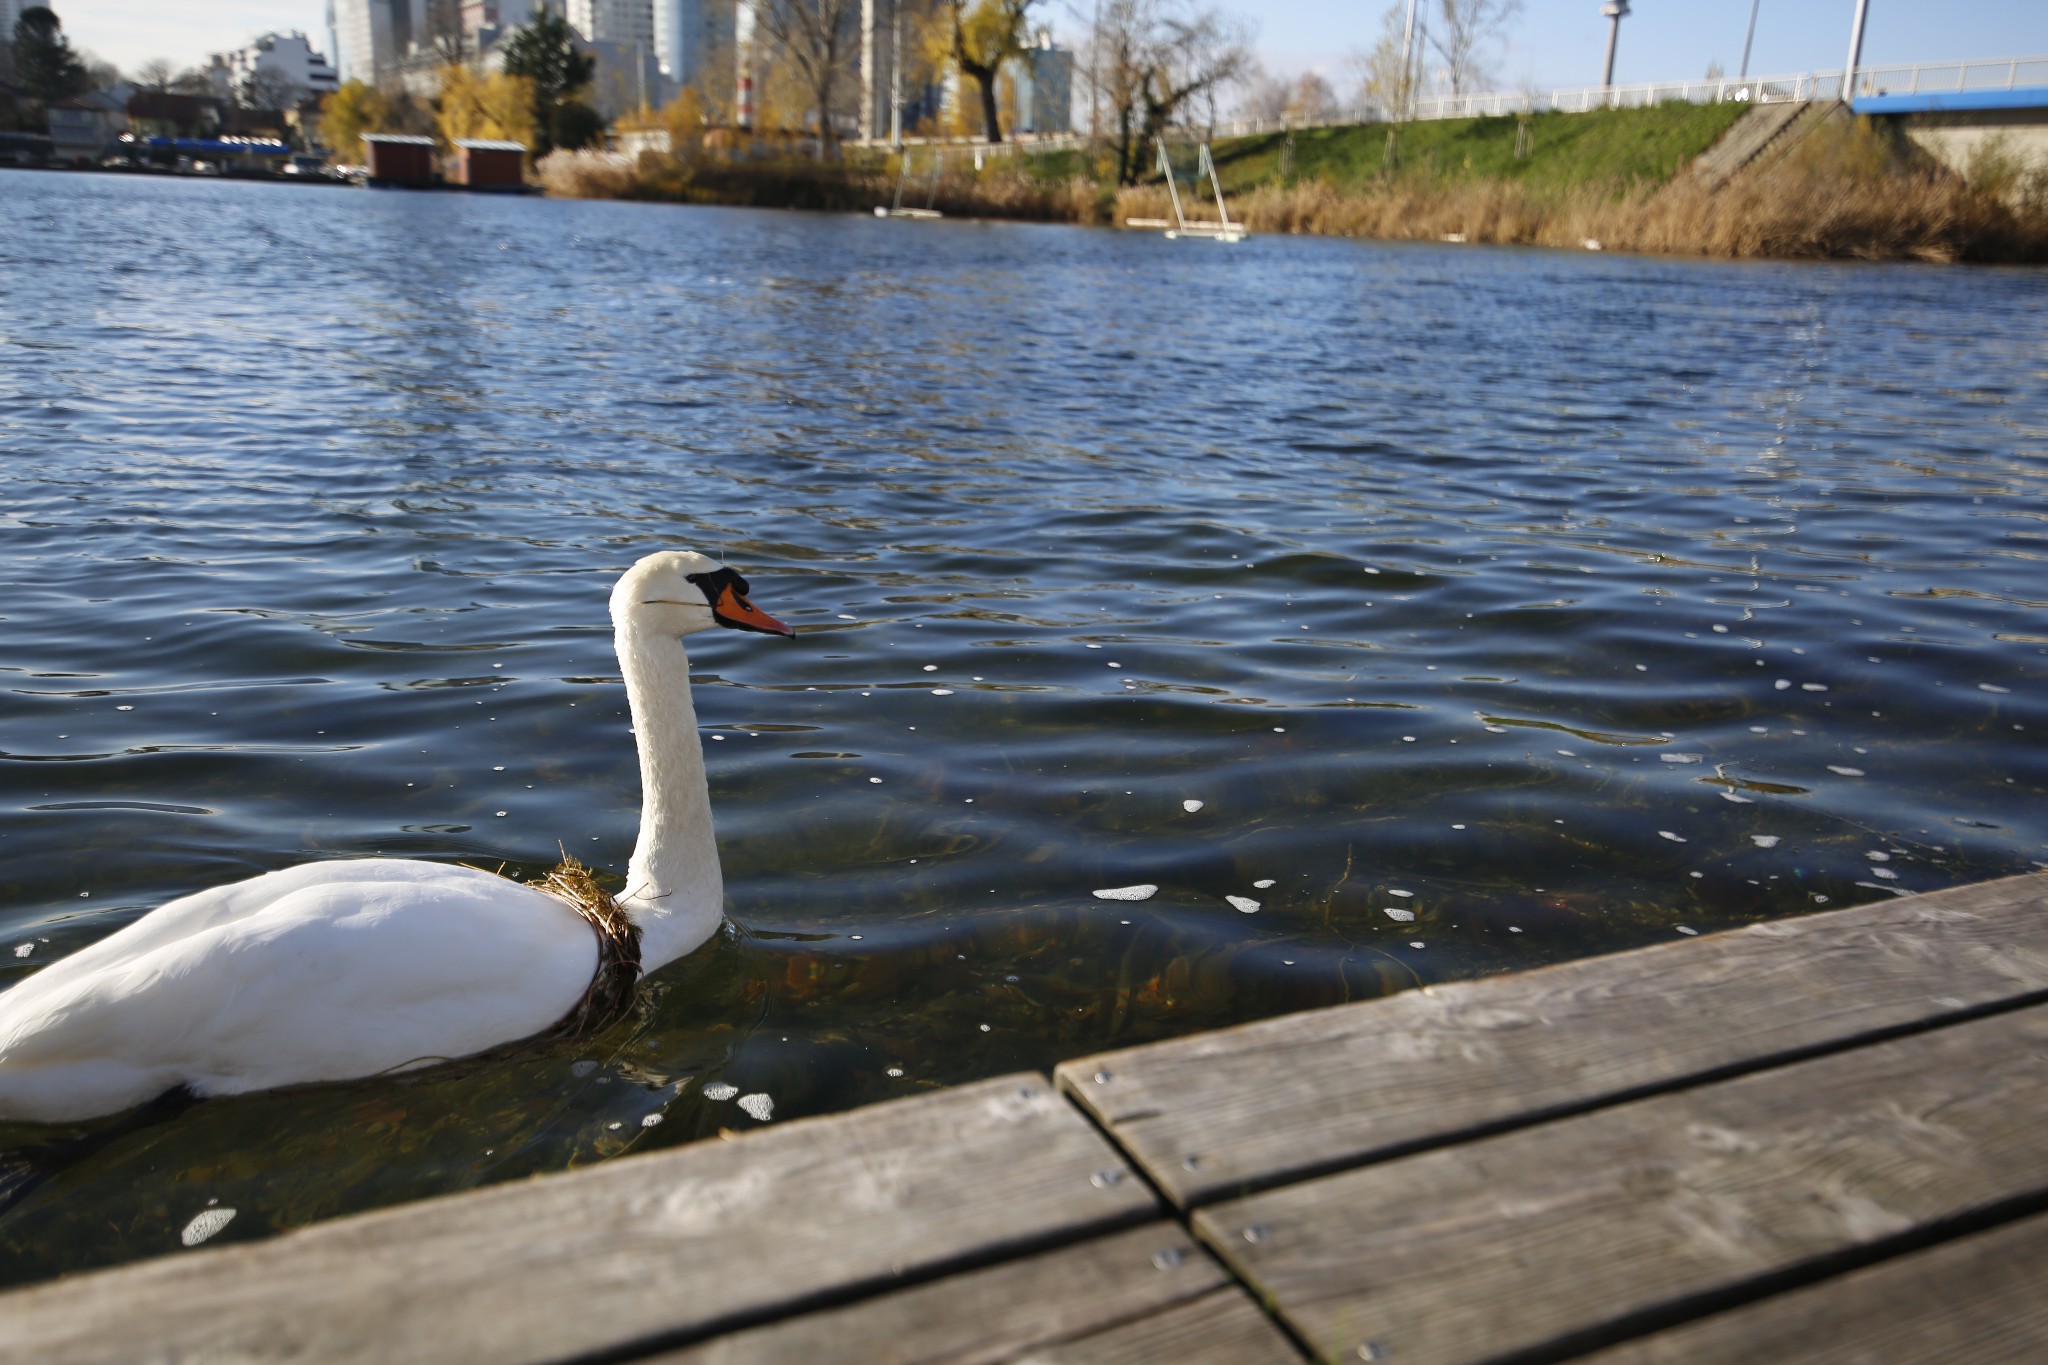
[
  {"x": 365, "y": 46},
  {"x": 614, "y": 21},
  {"x": 687, "y": 32}
]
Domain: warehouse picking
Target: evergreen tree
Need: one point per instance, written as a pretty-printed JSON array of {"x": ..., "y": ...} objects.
[
  {"x": 545, "y": 53},
  {"x": 44, "y": 65}
]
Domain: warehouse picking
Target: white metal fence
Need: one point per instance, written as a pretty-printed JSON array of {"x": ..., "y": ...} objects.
[{"x": 2000, "y": 73}]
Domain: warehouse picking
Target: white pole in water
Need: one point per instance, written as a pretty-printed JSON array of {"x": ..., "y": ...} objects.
[{"x": 1855, "y": 52}]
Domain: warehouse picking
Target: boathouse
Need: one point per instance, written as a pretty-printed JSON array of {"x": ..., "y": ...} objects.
[
  {"x": 399, "y": 159},
  {"x": 486, "y": 164}
]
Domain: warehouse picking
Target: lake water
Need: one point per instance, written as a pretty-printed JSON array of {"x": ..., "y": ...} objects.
[{"x": 1498, "y": 607}]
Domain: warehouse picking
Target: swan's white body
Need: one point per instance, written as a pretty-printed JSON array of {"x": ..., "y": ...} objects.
[{"x": 336, "y": 970}]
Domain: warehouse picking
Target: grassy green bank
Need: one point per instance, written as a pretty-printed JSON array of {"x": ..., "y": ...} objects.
[{"x": 1616, "y": 178}]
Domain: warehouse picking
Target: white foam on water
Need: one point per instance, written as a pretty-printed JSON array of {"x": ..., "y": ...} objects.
[
  {"x": 1845, "y": 772},
  {"x": 1397, "y": 891},
  {"x": 1813, "y": 687},
  {"x": 1398, "y": 914},
  {"x": 1782, "y": 685},
  {"x": 719, "y": 1090},
  {"x": 1738, "y": 800},
  {"x": 759, "y": 1107},
  {"x": 1191, "y": 805},
  {"x": 1674, "y": 838},
  {"x": 1689, "y": 932},
  {"x": 1876, "y": 857},
  {"x": 1243, "y": 903},
  {"x": 650, "y": 1121},
  {"x": 1993, "y": 687},
  {"x": 1764, "y": 840},
  {"x": 1263, "y": 882},
  {"x": 1680, "y": 758},
  {"x": 1144, "y": 891}
]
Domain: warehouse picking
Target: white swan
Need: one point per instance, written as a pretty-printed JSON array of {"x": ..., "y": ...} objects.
[{"x": 350, "y": 968}]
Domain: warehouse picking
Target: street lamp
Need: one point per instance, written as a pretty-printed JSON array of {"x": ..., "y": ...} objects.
[
  {"x": 1747, "y": 39},
  {"x": 1616, "y": 11},
  {"x": 1855, "y": 52}
]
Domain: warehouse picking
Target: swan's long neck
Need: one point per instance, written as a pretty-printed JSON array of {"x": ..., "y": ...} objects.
[{"x": 673, "y": 887}]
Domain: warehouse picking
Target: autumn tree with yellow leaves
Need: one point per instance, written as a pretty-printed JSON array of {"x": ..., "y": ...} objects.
[{"x": 474, "y": 105}]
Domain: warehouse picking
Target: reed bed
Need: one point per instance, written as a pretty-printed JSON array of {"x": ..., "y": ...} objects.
[{"x": 1843, "y": 192}]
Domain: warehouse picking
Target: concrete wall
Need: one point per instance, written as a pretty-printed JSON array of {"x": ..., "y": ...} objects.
[{"x": 1961, "y": 141}]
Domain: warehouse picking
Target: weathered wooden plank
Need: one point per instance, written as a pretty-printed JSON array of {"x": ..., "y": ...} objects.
[
  {"x": 629, "y": 1252},
  {"x": 1212, "y": 1115},
  {"x": 1555, "y": 1234},
  {"x": 1222, "y": 1328},
  {"x": 1980, "y": 1299},
  {"x": 989, "y": 1315}
]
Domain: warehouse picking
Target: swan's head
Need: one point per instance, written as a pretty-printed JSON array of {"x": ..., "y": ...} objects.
[{"x": 676, "y": 592}]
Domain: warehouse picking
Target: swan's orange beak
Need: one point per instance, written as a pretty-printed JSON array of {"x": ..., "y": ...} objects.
[{"x": 732, "y": 610}]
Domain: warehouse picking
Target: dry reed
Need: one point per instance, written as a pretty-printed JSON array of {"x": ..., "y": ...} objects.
[{"x": 1844, "y": 191}]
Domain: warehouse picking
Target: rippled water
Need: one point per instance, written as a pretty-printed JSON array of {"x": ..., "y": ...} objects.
[{"x": 1497, "y": 607}]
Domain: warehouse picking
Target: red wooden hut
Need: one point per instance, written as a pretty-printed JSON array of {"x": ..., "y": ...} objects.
[
  {"x": 400, "y": 159},
  {"x": 484, "y": 164}
]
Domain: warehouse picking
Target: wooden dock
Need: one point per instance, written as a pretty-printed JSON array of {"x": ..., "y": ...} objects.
[{"x": 1822, "y": 1139}]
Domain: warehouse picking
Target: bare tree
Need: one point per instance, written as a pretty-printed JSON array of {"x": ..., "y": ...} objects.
[
  {"x": 1386, "y": 71},
  {"x": 271, "y": 89},
  {"x": 819, "y": 41},
  {"x": 1153, "y": 59},
  {"x": 155, "y": 74},
  {"x": 1465, "y": 29}
]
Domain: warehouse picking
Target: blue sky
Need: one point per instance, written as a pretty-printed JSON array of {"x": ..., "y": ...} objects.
[{"x": 1555, "y": 42}]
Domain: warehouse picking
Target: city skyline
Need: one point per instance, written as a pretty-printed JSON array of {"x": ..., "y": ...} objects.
[{"x": 1554, "y": 43}]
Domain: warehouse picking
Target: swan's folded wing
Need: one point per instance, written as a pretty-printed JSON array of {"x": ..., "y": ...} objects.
[{"x": 330, "y": 980}]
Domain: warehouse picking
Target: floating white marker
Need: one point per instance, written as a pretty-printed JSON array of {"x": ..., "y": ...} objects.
[
  {"x": 1845, "y": 772},
  {"x": 720, "y": 1090},
  {"x": 1144, "y": 891},
  {"x": 1191, "y": 805},
  {"x": 1244, "y": 904},
  {"x": 1764, "y": 840},
  {"x": 1398, "y": 914},
  {"x": 1674, "y": 838},
  {"x": 206, "y": 1225},
  {"x": 759, "y": 1107},
  {"x": 1262, "y": 883}
]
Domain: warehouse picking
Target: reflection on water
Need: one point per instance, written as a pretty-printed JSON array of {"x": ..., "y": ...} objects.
[{"x": 1452, "y": 611}]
